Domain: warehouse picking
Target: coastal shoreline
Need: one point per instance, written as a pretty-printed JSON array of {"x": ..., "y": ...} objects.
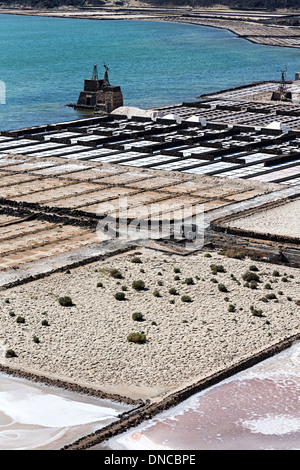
[{"x": 246, "y": 25}]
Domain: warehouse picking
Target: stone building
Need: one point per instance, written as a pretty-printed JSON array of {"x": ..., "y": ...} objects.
[{"x": 98, "y": 95}]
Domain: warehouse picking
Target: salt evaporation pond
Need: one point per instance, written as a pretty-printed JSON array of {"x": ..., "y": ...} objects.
[
  {"x": 258, "y": 409},
  {"x": 38, "y": 417}
]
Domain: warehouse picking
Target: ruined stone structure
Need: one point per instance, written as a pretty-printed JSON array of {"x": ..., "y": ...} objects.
[
  {"x": 282, "y": 94},
  {"x": 98, "y": 95}
]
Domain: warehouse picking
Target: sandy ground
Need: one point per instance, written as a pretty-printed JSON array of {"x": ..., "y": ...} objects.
[{"x": 87, "y": 342}]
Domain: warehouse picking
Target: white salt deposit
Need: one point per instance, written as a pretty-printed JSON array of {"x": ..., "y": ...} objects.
[
  {"x": 37, "y": 417},
  {"x": 49, "y": 410},
  {"x": 278, "y": 425}
]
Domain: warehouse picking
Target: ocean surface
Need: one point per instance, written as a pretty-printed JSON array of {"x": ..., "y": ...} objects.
[{"x": 44, "y": 61}]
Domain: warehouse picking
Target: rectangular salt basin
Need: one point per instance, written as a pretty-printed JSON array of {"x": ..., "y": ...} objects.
[
  {"x": 15, "y": 143},
  {"x": 126, "y": 177},
  {"x": 214, "y": 167},
  {"x": 61, "y": 135},
  {"x": 19, "y": 188},
  {"x": 93, "y": 198},
  {"x": 28, "y": 166},
  {"x": 146, "y": 160},
  {"x": 61, "y": 151},
  {"x": 33, "y": 149},
  {"x": 120, "y": 157},
  {"x": 61, "y": 169},
  {"x": 56, "y": 193},
  {"x": 137, "y": 144},
  {"x": 243, "y": 171},
  {"x": 278, "y": 174},
  {"x": 179, "y": 165}
]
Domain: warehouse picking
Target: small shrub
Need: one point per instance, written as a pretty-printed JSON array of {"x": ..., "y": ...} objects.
[
  {"x": 217, "y": 268},
  {"x": 253, "y": 285},
  {"x": 176, "y": 270},
  {"x": 20, "y": 319},
  {"x": 284, "y": 279},
  {"x": 214, "y": 280},
  {"x": 115, "y": 273},
  {"x": 173, "y": 291},
  {"x": 160, "y": 283},
  {"x": 257, "y": 313},
  {"x": 271, "y": 296},
  {"x": 156, "y": 293},
  {"x": 253, "y": 268},
  {"x": 36, "y": 339},
  {"x": 124, "y": 288},
  {"x": 138, "y": 285},
  {"x": 153, "y": 323},
  {"x": 137, "y": 316},
  {"x": 189, "y": 281},
  {"x": 250, "y": 276},
  {"x": 222, "y": 288},
  {"x": 231, "y": 308},
  {"x": 45, "y": 323},
  {"x": 176, "y": 278},
  {"x": 136, "y": 259},
  {"x": 138, "y": 338},
  {"x": 65, "y": 301},
  {"x": 276, "y": 273},
  {"x": 10, "y": 353},
  {"x": 207, "y": 255},
  {"x": 99, "y": 284},
  {"x": 12, "y": 314},
  {"x": 186, "y": 298},
  {"x": 119, "y": 296},
  {"x": 268, "y": 286}
]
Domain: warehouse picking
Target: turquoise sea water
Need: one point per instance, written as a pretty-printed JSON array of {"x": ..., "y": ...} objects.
[{"x": 44, "y": 61}]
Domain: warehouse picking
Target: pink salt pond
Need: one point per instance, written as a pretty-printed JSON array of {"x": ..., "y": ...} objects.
[{"x": 256, "y": 409}]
